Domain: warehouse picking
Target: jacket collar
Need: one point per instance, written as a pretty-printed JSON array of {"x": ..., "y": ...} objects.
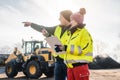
[{"x": 80, "y": 26}]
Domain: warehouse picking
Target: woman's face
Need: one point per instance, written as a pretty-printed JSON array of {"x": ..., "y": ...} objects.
[
  {"x": 73, "y": 23},
  {"x": 63, "y": 21}
]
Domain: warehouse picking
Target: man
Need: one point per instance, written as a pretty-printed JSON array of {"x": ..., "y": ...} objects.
[{"x": 60, "y": 32}]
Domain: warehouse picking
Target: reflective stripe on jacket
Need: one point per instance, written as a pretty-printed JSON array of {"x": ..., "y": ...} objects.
[{"x": 79, "y": 47}]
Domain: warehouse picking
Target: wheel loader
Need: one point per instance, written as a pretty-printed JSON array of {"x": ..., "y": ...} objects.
[{"x": 35, "y": 59}]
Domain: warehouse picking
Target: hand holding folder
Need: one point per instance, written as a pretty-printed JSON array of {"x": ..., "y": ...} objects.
[{"x": 54, "y": 43}]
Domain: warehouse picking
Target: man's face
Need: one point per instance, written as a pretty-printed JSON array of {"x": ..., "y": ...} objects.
[
  {"x": 15, "y": 48},
  {"x": 63, "y": 21}
]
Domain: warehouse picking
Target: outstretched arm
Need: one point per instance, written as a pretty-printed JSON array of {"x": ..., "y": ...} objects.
[{"x": 47, "y": 31}]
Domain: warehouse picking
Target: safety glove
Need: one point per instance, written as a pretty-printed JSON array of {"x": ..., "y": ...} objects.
[{"x": 60, "y": 48}]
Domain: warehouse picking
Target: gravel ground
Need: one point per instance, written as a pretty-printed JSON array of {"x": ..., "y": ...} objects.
[{"x": 109, "y": 74}]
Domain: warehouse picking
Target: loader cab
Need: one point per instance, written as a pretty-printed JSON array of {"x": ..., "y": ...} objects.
[{"x": 30, "y": 46}]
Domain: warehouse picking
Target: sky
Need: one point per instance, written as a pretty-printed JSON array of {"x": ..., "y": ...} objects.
[{"x": 102, "y": 19}]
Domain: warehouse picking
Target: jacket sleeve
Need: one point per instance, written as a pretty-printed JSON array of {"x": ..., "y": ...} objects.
[
  {"x": 39, "y": 28},
  {"x": 86, "y": 44},
  {"x": 51, "y": 30}
]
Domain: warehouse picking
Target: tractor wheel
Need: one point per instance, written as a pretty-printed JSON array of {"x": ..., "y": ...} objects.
[
  {"x": 49, "y": 72},
  {"x": 33, "y": 70},
  {"x": 41, "y": 58},
  {"x": 11, "y": 70}
]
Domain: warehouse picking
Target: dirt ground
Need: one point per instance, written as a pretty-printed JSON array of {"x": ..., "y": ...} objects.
[{"x": 110, "y": 74}]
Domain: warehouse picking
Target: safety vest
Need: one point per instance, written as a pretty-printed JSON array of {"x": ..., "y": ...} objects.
[
  {"x": 62, "y": 39},
  {"x": 79, "y": 47}
]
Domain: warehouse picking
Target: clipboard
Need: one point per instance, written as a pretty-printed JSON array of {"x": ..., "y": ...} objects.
[{"x": 52, "y": 41}]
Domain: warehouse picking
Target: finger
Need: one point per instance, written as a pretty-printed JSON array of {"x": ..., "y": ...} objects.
[
  {"x": 24, "y": 22},
  {"x": 44, "y": 31}
]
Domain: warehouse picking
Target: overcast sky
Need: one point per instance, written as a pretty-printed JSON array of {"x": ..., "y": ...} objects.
[{"x": 102, "y": 18}]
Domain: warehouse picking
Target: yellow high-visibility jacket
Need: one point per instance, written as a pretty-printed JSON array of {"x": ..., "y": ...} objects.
[
  {"x": 56, "y": 31},
  {"x": 62, "y": 38},
  {"x": 79, "y": 47}
]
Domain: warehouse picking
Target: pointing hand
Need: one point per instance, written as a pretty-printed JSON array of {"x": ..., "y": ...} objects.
[{"x": 26, "y": 24}]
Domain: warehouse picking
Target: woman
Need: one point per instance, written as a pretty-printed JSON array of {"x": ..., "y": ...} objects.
[{"x": 79, "y": 48}]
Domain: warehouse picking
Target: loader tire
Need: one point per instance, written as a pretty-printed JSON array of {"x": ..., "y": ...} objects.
[
  {"x": 11, "y": 70},
  {"x": 33, "y": 70}
]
